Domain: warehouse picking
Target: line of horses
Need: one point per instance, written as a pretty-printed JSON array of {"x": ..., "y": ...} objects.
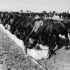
[{"x": 47, "y": 34}]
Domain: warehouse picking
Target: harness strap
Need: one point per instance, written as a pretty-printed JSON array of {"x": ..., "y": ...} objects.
[{"x": 62, "y": 25}]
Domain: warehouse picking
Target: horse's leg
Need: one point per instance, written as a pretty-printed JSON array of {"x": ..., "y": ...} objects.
[
  {"x": 57, "y": 42},
  {"x": 25, "y": 45},
  {"x": 51, "y": 43},
  {"x": 25, "y": 50},
  {"x": 51, "y": 48},
  {"x": 67, "y": 39}
]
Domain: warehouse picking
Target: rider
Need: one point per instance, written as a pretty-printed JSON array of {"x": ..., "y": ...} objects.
[{"x": 38, "y": 23}]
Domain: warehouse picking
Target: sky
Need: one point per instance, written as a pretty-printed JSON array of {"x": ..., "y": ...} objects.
[{"x": 35, "y": 5}]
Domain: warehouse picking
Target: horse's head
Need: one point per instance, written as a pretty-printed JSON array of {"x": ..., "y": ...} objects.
[
  {"x": 31, "y": 41},
  {"x": 7, "y": 27}
]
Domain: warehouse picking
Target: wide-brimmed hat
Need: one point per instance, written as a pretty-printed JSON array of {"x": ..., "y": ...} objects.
[{"x": 37, "y": 17}]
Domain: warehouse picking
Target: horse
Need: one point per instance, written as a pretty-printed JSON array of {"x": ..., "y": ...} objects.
[
  {"x": 50, "y": 31},
  {"x": 52, "y": 28}
]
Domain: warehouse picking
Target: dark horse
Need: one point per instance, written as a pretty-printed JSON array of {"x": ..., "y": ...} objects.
[
  {"x": 49, "y": 32},
  {"x": 24, "y": 31},
  {"x": 57, "y": 28},
  {"x": 51, "y": 29}
]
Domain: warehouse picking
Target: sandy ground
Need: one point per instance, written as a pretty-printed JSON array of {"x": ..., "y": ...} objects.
[{"x": 9, "y": 50}]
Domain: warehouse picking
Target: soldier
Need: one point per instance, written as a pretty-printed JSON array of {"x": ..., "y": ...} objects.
[{"x": 38, "y": 23}]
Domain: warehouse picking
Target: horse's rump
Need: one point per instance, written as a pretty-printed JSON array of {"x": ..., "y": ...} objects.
[{"x": 59, "y": 28}]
